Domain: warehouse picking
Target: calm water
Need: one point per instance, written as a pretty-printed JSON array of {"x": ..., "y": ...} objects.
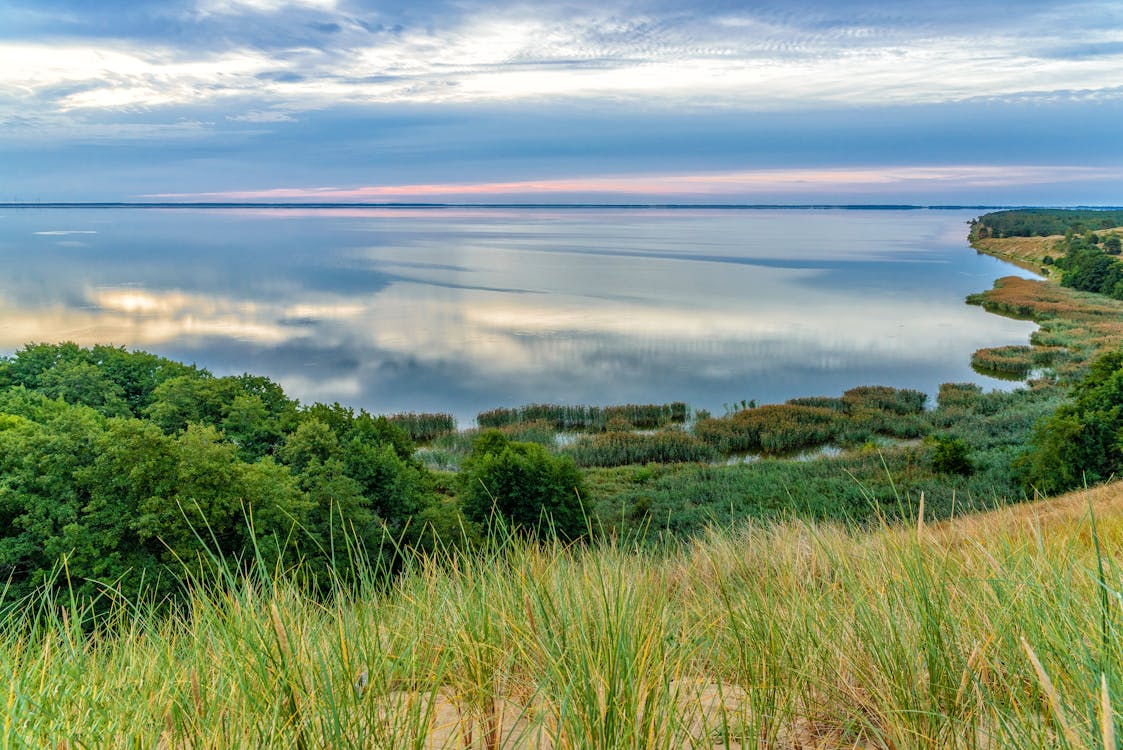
[{"x": 465, "y": 309}]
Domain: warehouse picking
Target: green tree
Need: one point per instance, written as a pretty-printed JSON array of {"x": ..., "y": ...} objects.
[
  {"x": 188, "y": 399},
  {"x": 41, "y": 501},
  {"x": 78, "y": 382},
  {"x": 530, "y": 489},
  {"x": 1082, "y": 442},
  {"x": 393, "y": 488}
]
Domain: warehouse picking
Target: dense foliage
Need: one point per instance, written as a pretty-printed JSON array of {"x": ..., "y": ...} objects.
[
  {"x": 1043, "y": 222},
  {"x": 1090, "y": 263},
  {"x": 524, "y": 485},
  {"x": 131, "y": 469},
  {"x": 1082, "y": 442}
]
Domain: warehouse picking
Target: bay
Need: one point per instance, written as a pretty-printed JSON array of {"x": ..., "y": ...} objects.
[{"x": 465, "y": 309}]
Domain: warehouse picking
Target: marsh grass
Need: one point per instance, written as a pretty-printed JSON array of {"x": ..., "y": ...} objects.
[
  {"x": 424, "y": 427},
  {"x": 583, "y": 418},
  {"x": 859, "y": 415},
  {"x": 992, "y": 631},
  {"x": 1076, "y": 326},
  {"x": 619, "y": 448},
  {"x": 1005, "y": 360}
]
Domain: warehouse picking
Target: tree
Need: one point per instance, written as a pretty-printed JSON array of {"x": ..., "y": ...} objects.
[
  {"x": 78, "y": 382},
  {"x": 527, "y": 487},
  {"x": 41, "y": 502},
  {"x": 190, "y": 399},
  {"x": 1082, "y": 442}
]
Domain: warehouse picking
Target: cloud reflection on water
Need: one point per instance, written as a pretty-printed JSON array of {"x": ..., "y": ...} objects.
[{"x": 465, "y": 311}]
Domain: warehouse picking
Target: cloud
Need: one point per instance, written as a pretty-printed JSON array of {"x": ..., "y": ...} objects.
[
  {"x": 217, "y": 95},
  {"x": 262, "y": 116},
  {"x": 717, "y": 185},
  {"x": 316, "y": 53},
  {"x": 238, "y": 7}
]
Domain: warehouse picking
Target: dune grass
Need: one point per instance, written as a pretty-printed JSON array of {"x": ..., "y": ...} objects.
[{"x": 996, "y": 630}]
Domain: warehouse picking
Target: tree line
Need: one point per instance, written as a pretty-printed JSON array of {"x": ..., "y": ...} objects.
[{"x": 125, "y": 471}]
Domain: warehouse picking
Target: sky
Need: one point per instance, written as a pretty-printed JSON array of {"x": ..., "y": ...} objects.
[{"x": 788, "y": 102}]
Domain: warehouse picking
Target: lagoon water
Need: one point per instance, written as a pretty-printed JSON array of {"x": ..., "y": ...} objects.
[{"x": 465, "y": 309}]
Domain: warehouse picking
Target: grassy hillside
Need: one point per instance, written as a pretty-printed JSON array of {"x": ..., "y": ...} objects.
[{"x": 999, "y": 630}]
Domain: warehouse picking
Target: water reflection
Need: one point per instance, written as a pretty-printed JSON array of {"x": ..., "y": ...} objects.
[{"x": 469, "y": 309}]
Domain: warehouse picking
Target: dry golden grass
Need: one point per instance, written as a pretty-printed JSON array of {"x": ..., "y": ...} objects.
[{"x": 1065, "y": 516}]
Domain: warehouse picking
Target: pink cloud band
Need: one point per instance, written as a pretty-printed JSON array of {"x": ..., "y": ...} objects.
[{"x": 756, "y": 182}]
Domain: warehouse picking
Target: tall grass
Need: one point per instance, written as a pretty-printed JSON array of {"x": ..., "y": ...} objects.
[
  {"x": 620, "y": 448},
  {"x": 1005, "y": 360},
  {"x": 589, "y": 418},
  {"x": 859, "y": 415},
  {"x": 424, "y": 427},
  {"x": 996, "y": 631}
]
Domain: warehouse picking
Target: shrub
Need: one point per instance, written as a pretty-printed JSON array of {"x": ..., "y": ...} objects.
[
  {"x": 952, "y": 456},
  {"x": 522, "y": 483}
]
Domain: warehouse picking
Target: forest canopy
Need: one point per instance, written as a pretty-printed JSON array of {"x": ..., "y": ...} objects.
[{"x": 133, "y": 469}]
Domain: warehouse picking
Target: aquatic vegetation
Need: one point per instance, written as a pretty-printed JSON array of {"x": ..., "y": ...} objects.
[
  {"x": 579, "y": 418},
  {"x": 619, "y": 448},
  {"x": 857, "y": 416},
  {"x": 424, "y": 427},
  {"x": 1076, "y": 326}
]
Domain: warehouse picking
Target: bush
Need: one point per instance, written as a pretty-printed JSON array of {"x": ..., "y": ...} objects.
[
  {"x": 524, "y": 485},
  {"x": 952, "y": 456}
]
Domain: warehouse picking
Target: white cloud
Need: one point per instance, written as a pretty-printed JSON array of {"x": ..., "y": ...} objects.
[
  {"x": 262, "y": 116},
  {"x": 735, "y": 61},
  {"x": 238, "y": 7}
]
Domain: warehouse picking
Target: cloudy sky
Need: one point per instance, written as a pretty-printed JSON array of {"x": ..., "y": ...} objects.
[{"x": 791, "y": 101}]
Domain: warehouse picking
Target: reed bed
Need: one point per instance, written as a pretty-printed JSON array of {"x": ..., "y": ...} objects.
[
  {"x": 1076, "y": 326},
  {"x": 620, "y": 448},
  {"x": 995, "y": 631},
  {"x": 884, "y": 398},
  {"x": 859, "y": 415},
  {"x": 1004, "y": 360},
  {"x": 580, "y": 418},
  {"x": 424, "y": 427}
]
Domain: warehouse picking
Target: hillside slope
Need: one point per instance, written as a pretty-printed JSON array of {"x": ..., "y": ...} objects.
[{"x": 999, "y": 630}]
